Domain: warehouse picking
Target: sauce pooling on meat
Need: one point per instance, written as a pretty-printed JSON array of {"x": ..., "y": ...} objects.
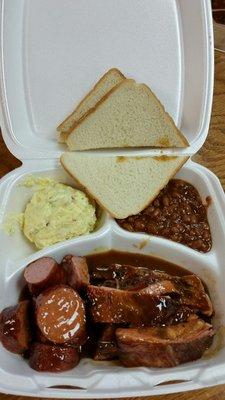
[
  {"x": 60, "y": 315},
  {"x": 102, "y": 261},
  {"x": 139, "y": 309}
]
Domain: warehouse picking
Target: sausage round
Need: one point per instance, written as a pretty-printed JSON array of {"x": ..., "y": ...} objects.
[
  {"x": 51, "y": 358},
  {"x": 77, "y": 271},
  {"x": 14, "y": 327},
  {"x": 43, "y": 273},
  {"x": 60, "y": 315},
  {"x": 39, "y": 337}
]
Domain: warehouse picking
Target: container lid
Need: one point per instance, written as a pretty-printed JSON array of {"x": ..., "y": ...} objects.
[{"x": 58, "y": 50}]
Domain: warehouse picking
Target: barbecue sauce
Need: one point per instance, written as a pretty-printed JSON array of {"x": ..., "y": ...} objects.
[
  {"x": 100, "y": 345},
  {"x": 137, "y": 260}
]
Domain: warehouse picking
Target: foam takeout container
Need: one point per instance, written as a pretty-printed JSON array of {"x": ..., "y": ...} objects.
[{"x": 52, "y": 52}]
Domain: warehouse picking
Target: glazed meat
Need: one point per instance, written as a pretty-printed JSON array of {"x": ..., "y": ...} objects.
[
  {"x": 171, "y": 298},
  {"x": 14, "y": 327},
  {"x": 189, "y": 289},
  {"x": 150, "y": 313},
  {"x": 77, "y": 271},
  {"x": 39, "y": 337},
  {"x": 50, "y": 358},
  {"x": 43, "y": 273},
  {"x": 60, "y": 315},
  {"x": 109, "y": 305},
  {"x": 164, "y": 346},
  {"x": 122, "y": 276},
  {"x": 106, "y": 346},
  {"x": 193, "y": 294}
]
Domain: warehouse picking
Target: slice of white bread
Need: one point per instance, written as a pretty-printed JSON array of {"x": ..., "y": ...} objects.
[
  {"x": 130, "y": 115},
  {"x": 122, "y": 185},
  {"x": 108, "y": 81}
]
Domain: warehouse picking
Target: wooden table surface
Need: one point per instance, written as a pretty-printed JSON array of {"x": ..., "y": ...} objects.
[{"x": 212, "y": 155}]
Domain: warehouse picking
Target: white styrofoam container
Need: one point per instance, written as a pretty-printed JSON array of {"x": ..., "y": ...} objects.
[{"x": 52, "y": 52}]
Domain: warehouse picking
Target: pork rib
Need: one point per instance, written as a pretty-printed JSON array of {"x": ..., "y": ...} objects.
[
  {"x": 164, "y": 346},
  {"x": 109, "y": 305}
]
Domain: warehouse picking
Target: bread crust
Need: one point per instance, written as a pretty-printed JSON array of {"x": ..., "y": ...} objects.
[
  {"x": 93, "y": 109},
  {"x": 162, "y": 186},
  {"x": 63, "y": 133},
  {"x": 88, "y": 191},
  {"x": 104, "y": 98},
  {"x": 180, "y": 134}
]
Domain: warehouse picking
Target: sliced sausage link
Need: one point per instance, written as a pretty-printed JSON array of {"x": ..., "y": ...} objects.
[
  {"x": 77, "y": 271},
  {"x": 51, "y": 358},
  {"x": 60, "y": 315},
  {"x": 43, "y": 273},
  {"x": 15, "y": 333}
]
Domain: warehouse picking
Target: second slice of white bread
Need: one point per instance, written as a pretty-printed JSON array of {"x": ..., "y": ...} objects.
[
  {"x": 130, "y": 115},
  {"x": 108, "y": 81},
  {"x": 122, "y": 185}
]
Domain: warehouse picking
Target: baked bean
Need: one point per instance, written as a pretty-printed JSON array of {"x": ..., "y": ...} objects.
[
  {"x": 127, "y": 226},
  {"x": 166, "y": 201},
  {"x": 193, "y": 219},
  {"x": 179, "y": 183},
  {"x": 192, "y": 232},
  {"x": 197, "y": 244},
  {"x": 152, "y": 229},
  {"x": 163, "y": 219},
  {"x": 174, "y": 229},
  {"x": 156, "y": 213},
  {"x": 206, "y": 235},
  {"x": 149, "y": 210},
  {"x": 156, "y": 203},
  {"x": 167, "y": 212},
  {"x": 174, "y": 216},
  {"x": 177, "y": 213},
  {"x": 176, "y": 195},
  {"x": 165, "y": 232},
  {"x": 139, "y": 225},
  {"x": 175, "y": 238},
  {"x": 187, "y": 208},
  {"x": 131, "y": 219},
  {"x": 186, "y": 218},
  {"x": 204, "y": 247},
  {"x": 180, "y": 227},
  {"x": 198, "y": 230}
]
